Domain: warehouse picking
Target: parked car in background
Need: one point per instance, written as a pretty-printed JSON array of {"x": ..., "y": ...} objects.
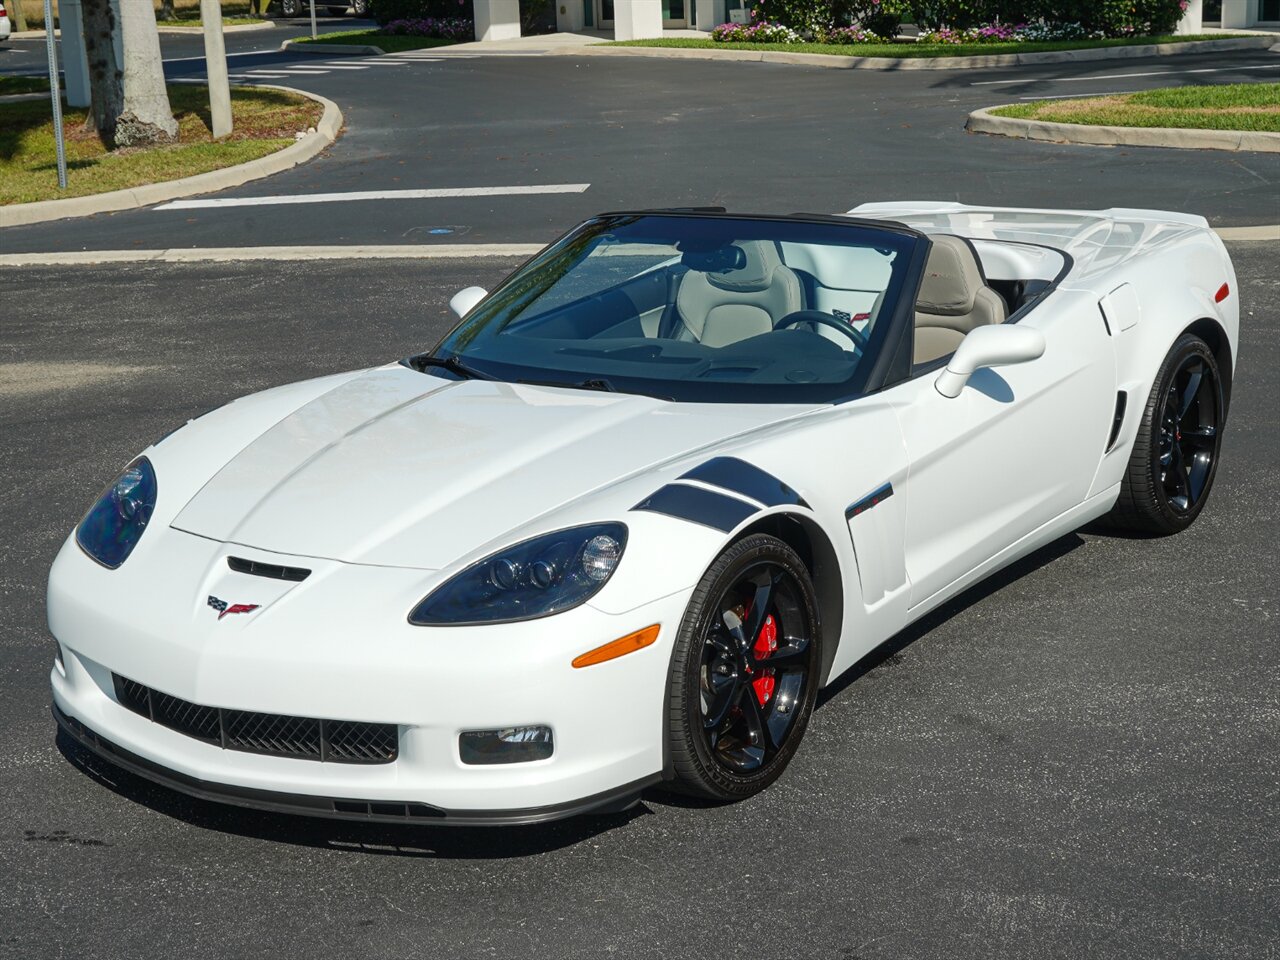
[
  {"x": 301, "y": 8},
  {"x": 5, "y": 29}
]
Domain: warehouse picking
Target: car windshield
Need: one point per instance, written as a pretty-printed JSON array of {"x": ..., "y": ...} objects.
[{"x": 693, "y": 308}]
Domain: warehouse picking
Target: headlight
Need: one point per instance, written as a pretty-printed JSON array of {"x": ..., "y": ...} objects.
[
  {"x": 113, "y": 525},
  {"x": 536, "y": 578}
]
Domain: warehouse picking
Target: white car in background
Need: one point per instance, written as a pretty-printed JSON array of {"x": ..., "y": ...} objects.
[
  {"x": 675, "y": 474},
  {"x": 5, "y": 28}
]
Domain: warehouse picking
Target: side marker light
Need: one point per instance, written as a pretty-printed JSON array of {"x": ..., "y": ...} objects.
[{"x": 620, "y": 647}]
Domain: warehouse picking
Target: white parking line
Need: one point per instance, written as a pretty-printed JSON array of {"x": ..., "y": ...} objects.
[
  {"x": 336, "y": 66},
  {"x": 1125, "y": 76},
  {"x": 432, "y": 194},
  {"x": 370, "y": 63}
]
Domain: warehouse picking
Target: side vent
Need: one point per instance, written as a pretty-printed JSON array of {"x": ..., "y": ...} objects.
[
  {"x": 269, "y": 570},
  {"x": 1117, "y": 421}
]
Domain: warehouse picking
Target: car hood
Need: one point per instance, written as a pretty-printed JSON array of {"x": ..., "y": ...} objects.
[{"x": 400, "y": 468}]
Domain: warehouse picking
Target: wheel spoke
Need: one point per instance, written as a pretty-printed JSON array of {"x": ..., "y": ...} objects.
[
  {"x": 753, "y": 717},
  {"x": 1190, "y": 390},
  {"x": 760, "y": 605},
  {"x": 785, "y": 657},
  {"x": 723, "y": 695},
  {"x": 1198, "y": 475}
]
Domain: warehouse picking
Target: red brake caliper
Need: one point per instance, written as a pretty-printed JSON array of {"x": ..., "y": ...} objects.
[{"x": 766, "y": 643}]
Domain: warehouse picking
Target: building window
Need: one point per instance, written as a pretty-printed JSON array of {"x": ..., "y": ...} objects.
[{"x": 1269, "y": 10}]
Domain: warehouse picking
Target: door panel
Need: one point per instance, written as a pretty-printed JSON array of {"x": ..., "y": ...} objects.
[{"x": 1016, "y": 449}]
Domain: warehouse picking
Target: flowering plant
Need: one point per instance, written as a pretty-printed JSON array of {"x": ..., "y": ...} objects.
[
  {"x": 762, "y": 31},
  {"x": 445, "y": 28},
  {"x": 844, "y": 35}
]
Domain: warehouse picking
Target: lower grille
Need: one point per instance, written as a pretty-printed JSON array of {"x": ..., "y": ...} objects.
[{"x": 334, "y": 741}]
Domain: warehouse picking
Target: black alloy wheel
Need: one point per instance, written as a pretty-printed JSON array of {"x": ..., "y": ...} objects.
[
  {"x": 745, "y": 672},
  {"x": 1175, "y": 455}
]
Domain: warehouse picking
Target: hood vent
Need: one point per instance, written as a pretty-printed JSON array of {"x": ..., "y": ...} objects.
[{"x": 269, "y": 570}]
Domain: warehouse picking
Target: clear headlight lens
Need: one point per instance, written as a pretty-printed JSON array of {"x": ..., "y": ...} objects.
[
  {"x": 536, "y": 578},
  {"x": 113, "y": 525}
]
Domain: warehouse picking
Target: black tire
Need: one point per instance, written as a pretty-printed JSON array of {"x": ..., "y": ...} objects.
[
  {"x": 759, "y": 680},
  {"x": 290, "y": 8},
  {"x": 360, "y": 8},
  {"x": 1175, "y": 455}
]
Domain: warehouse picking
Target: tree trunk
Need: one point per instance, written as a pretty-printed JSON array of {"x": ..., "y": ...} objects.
[
  {"x": 147, "y": 117},
  {"x": 19, "y": 18},
  {"x": 166, "y": 11},
  {"x": 106, "y": 81}
]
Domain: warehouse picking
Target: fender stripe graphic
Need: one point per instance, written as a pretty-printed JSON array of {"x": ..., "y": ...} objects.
[
  {"x": 750, "y": 481},
  {"x": 878, "y": 495},
  {"x": 697, "y": 505}
]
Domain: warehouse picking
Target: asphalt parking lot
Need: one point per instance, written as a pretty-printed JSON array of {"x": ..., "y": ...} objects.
[{"x": 1077, "y": 759}]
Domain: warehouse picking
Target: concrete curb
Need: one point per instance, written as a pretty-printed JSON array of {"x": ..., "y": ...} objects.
[
  {"x": 1269, "y": 233},
  {"x": 983, "y": 121},
  {"x": 24, "y": 97},
  {"x": 327, "y": 130},
  {"x": 199, "y": 31},
  {"x": 332, "y": 49},
  {"x": 452, "y": 251},
  {"x": 238, "y": 28},
  {"x": 836, "y": 62}
]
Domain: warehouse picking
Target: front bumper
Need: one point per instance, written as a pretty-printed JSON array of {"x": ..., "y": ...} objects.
[
  {"x": 338, "y": 646},
  {"x": 345, "y": 808}
]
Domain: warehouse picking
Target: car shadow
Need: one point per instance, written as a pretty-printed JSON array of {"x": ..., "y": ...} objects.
[
  {"x": 958, "y": 604},
  {"x": 376, "y": 839},
  {"x": 492, "y": 843}
]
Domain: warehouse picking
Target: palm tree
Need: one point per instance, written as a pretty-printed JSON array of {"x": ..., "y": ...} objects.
[{"x": 147, "y": 116}]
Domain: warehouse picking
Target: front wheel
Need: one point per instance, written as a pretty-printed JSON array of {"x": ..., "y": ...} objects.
[
  {"x": 745, "y": 671},
  {"x": 1175, "y": 455},
  {"x": 290, "y": 8}
]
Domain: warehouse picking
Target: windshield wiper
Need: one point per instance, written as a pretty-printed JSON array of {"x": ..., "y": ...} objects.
[
  {"x": 453, "y": 364},
  {"x": 591, "y": 383}
]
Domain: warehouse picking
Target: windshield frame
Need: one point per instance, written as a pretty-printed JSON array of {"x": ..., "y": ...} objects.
[{"x": 888, "y": 349}]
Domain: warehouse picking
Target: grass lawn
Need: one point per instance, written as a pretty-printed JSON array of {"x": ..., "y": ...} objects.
[
  {"x": 10, "y": 85},
  {"x": 1236, "y": 106},
  {"x": 264, "y": 121},
  {"x": 196, "y": 22},
  {"x": 390, "y": 42},
  {"x": 913, "y": 49}
]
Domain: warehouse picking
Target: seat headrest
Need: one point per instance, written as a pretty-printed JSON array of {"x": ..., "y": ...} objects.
[
  {"x": 752, "y": 274},
  {"x": 952, "y": 278}
]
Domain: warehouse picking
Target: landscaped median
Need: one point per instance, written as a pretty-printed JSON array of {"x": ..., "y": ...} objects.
[
  {"x": 929, "y": 56},
  {"x": 274, "y": 129},
  {"x": 396, "y": 36},
  {"x": 1241, "y": 116}
]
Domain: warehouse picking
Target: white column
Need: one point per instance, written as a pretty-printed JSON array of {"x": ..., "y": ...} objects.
[
  {"x": 1193, "y": 20},
  {"x": 1239, "y": 13},
  {"x": 497, "y": 19},
  {"x": 708, "y": 16},
  {"x": 637, "y": 19},
  {"x": 569, "y": 16}
]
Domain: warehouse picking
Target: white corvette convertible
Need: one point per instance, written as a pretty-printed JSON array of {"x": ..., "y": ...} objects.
[{"x": 675, "y": 474}]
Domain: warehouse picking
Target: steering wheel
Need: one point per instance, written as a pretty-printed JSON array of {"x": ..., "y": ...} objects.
[{"x": 817, "y": 316}]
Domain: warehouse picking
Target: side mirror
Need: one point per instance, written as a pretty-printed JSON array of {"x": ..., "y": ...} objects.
[
  {"x": 988, "y": 346},
  {"x": 465, "y": 299}
]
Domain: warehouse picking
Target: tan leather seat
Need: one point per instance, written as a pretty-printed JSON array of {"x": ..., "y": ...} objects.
[
  {"x": 954, "y": 299},
  {"x": 724, "y": 307}
]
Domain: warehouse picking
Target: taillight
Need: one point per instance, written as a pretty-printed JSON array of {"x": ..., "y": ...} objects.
[{"x": 1224, "y": 291}]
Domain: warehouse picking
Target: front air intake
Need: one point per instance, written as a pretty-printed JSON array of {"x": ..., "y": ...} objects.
[{"x": 277, "y": 735}]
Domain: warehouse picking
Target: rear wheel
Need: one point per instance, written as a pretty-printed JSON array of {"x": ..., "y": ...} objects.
[
  {"x": 745, "y": 671},
  {"x": 1175, "y": 455},
  {"x": 290, "y": 8}
]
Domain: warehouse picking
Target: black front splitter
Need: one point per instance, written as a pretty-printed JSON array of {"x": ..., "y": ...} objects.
[{"x": 367, "y": 811}]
